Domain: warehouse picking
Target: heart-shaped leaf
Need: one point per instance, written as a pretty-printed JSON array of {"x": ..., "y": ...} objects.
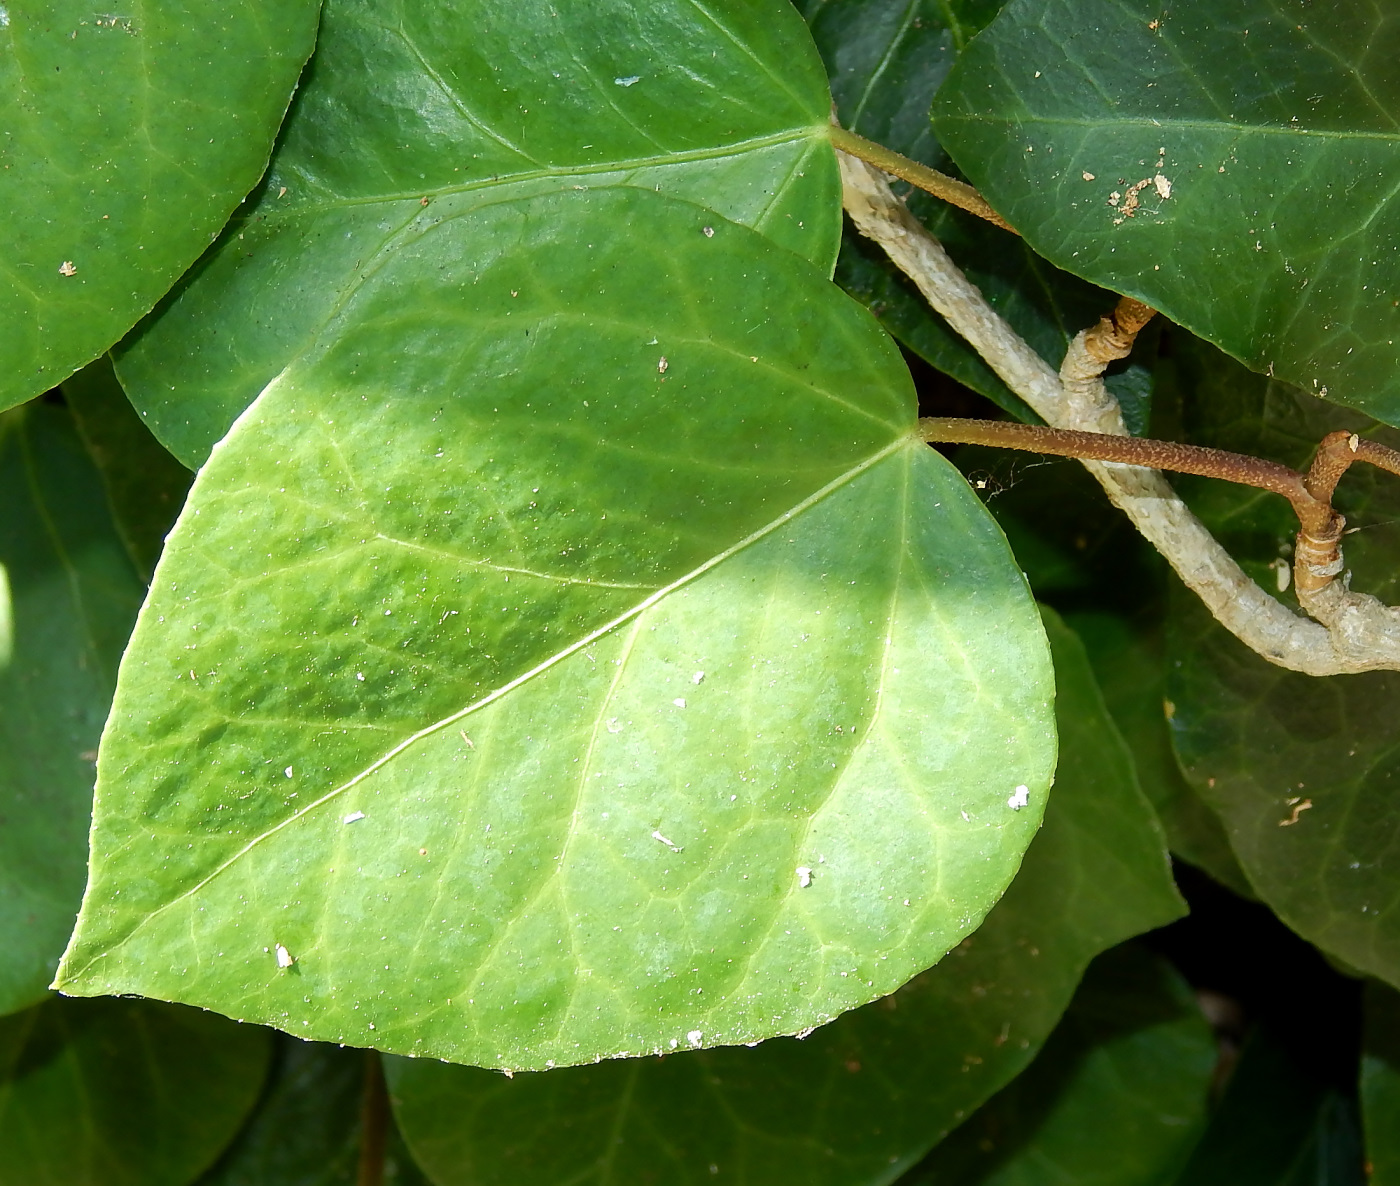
[
  {"x": 474, "y": 104},
  {"x": 870, "y": 1092},
  {"x": 523, "y": 720},
  {"x": 128, "y": 141},
  {"x": 68, "y": 597},
  {"x": 121, "y": 1093},
  {"x": 1182, "y": 156}
]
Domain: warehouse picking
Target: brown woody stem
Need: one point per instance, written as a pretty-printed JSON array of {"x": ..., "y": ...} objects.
[
  {"x": 940, "y": 185},
  {"x": 1321, "y": 526}
]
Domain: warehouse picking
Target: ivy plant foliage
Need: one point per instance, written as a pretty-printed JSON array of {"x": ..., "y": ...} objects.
[
  {"x": 129, "y": 141},
  {"x": 1118, "y": 1096},
  {"x": 868, "y": 1094},
  {"x": 1147, "y": 150},
  {"x": 525, "y": 721},
  {"x": 1301, "y": 770},
  {"x": 68, "y": 597},
  {"x": 475, "y": 105},
  {"x": 121, "y": 1092},
  {"x": 887, "y": 59}
]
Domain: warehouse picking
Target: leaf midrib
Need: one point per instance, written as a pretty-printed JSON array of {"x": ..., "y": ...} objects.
[
  {"x": 902, "y": 440},
  {"x": 560, "y": 172}
]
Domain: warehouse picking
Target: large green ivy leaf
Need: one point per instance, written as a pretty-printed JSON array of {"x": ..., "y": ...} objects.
[
  {"x": 68, "y": 597},
  {"x": 578, "y": 656},
  {"x": 866, "y": 1095},
  {"x": 1183, "y": 155},
  {"x": 1380, "y": 1084},
  {"x": 887, "y": 59},
  {"x": 128, "y": 140},
  {"x": 146, "y": 486},
  {"x": 1303, "y": 771},
  {"x": 121, "y": 1093},
  {"x": 473, "y": 104},
  {"x": 1118, "y": 1096}
]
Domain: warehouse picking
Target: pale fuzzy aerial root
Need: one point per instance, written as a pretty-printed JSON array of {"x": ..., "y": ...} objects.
[{"x": 1352, "y": 632}]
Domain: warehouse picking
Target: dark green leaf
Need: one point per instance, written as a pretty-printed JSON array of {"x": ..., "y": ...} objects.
[
  {"x": 146, "y": 486},
  {"x": 1277, "y": 1125},
  {"x": 476, "y": 104},
  {"x": 306, "y": 1129},
  {"x": 886, "y": 59},
  {"x": 1380, "y": 1084},
  {"x": 870, "y": 1092},
  {"x": 1131, "y": 669},
  {"x": 1182, "y": 155},
  {"x": 1303, "y": 771},
  {"x": 1118, "y": 1096},
  {"x": 128, "y": 141},
  {"x": 659, "y": 693},
  {"x": 68, "y": 597},
  {"x": 121, "y": 1093}
]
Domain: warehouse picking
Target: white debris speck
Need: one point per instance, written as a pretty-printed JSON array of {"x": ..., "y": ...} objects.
[
  {"x": 353, "y": 816},
  {"x": 1163, "y": 186},
  {"x": 804, "y": 876},
  {"x": 679, "y": 701},
  {"x": 1020, "y": 798},
  {"x": 288, "y": 772},
  {"x": 695, "y": 1037},
  {"x": 4, "y": 19},
  {"x": 801, "y": 1034},
  {"x": 674, "y": 1043},
  {"x": 67, "y": 268},
  {"x": 661, "y": 365},
  {"x": 360, "y": 675},
  {"x": 284, "y": 957},
  {"x": 658, "y": 836},
  {"x": 629, "y": 80},
  {"x": 699, "y": 676},
  {"x": 709, "y": 232}
]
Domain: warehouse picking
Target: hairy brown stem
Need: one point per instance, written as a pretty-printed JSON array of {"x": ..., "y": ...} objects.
[
  {"x": 374, "y": 1123},
  {"x": 940, "y": 185}
]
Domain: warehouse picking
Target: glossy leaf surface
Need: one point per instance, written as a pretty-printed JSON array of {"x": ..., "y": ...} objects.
[
  {"x": 68, "y": 597},
  {"x": 867, "y": 1094},
  {"x": 145, "y": 485},
  {"x": 1380, "y": 1084},
  {"x": 121, "y": 1093},
  {"x": 129, "y": 139},
  {"x": 473, "y": 105},
  {"x": 1182, "y": 157},
  {"x": 886, "y": 59},
  {"x": 1257, "y": 741},
  {"x": 1117, "y": 1097},
  {"x": 625, "y": 713}
]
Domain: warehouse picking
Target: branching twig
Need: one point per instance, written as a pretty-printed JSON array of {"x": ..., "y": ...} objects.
[{"x": 1352, "y": 633}]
